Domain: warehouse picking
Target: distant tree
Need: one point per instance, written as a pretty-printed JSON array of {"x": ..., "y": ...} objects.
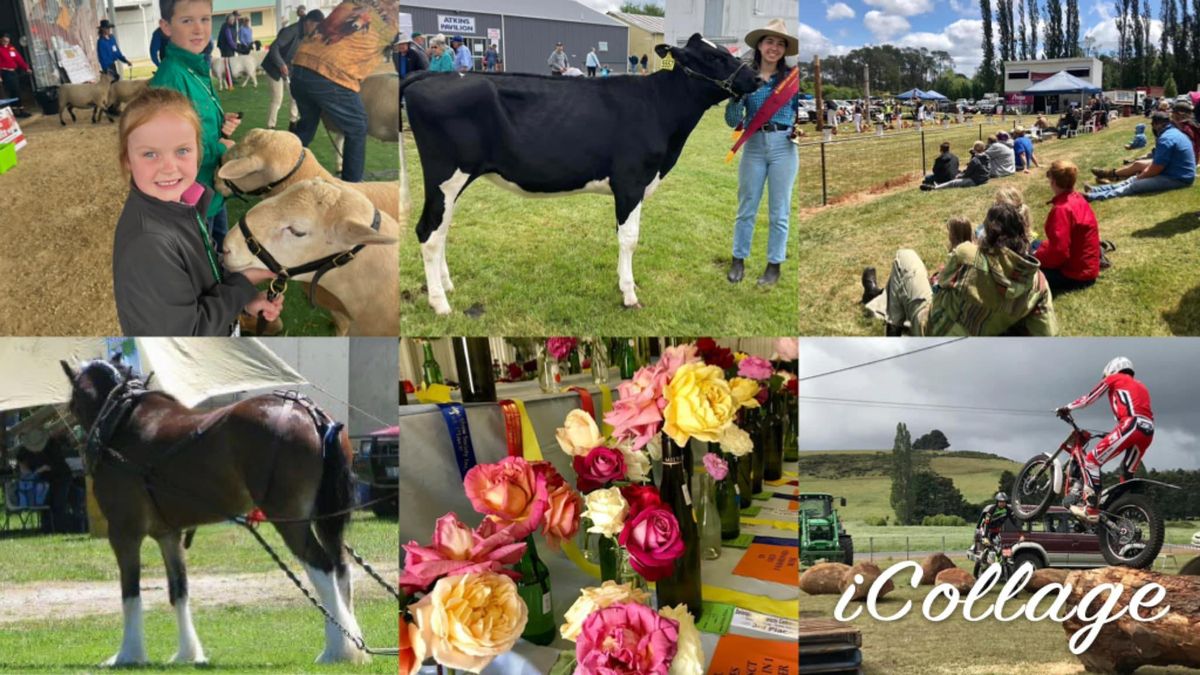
[
  {"x": 1055, "y": 38},
  {"x": 1007, "y": 478},
  {"x": 934, "y": 440},
  {"x": 1033, "y": 28},
  {"x": 648, "y": 8},
  {"x": 902, "y": 476},
  {"x": 1072, "y": 29},
  {"x": 1022, "y": 30},
  {"x": 987, "y": 69},
  {"x": 1170, "y": 89},
  {"x": 935, "y": 494}
]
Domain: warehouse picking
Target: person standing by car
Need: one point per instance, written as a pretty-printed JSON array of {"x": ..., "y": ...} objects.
[{"x": 1130, "y": 403}]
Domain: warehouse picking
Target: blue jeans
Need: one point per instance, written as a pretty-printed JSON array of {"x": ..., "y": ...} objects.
[
  {"x": 767, "y": 158},
  {"x": 315, "y": 94},
  {"x": 1135, "y": 186},
  {"x": 218, "y": 227}
]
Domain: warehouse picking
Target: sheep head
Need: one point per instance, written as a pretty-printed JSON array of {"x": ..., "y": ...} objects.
[
  {"x": 308, "y": 221},
  {"x": 260, "y": 158}
]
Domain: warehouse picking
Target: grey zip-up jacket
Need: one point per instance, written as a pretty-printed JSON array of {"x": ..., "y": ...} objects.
[
  {"x": 163, "y": 282},
  {"x": 283, "y": 49}
]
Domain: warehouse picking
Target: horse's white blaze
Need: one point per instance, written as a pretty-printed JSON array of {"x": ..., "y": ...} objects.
[
  {"x": 595, "y": 187},
  {"x": 433, "y": 251},
  {"x": 337, "y": 647},
  {"x": 133, "y": 640},
  {"x": 190, "y": 650}
]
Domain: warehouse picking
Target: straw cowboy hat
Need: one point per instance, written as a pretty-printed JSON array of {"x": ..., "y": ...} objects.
[{"x": 777, "y": 28}]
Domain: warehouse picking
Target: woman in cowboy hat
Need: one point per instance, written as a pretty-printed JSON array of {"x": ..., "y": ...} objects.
[
  {"x": 769, "y": 158},
  {"x": 108, "y": 52}
]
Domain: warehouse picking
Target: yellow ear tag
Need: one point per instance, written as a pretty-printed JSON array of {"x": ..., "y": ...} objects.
[{"x": 668, "y": 62}]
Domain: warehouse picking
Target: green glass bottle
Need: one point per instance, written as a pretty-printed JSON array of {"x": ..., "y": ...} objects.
[
  {"x": 773, "y": 436},
  {"x": 683, "y": 585},
  {"x": 431, "y": 372},
  {"x": 727, "y": 496},
  {"x": 791, "y": 434},
  {"x": 534, "y": 589},
  {"x": 629, "y": 363}
]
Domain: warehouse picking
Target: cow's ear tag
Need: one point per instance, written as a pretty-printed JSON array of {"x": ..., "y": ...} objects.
[{"x": 668, "y": 62}]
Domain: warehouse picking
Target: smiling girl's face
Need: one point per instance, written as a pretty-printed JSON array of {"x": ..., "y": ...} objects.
[
  {"x": 162, "y": 156},
  {"x": 772, "y": 48}
]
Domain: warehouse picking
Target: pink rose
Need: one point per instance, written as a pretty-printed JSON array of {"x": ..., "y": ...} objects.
[
  {"x": 599, "y": 467},
  {"x": 653, "y": 540},
  {"x": 640, "y": 497},
  {"x": 456, "y": 549},
  {"x": 787, "y": 349},
  {"x": 754, "y": 368},
  {"x": 560, "y": 347},
  {"x": 626, "y": 637},
  {"x": 509, "y": 491},
  {"x": 636, "y": 416},
  {"x": 673, "y": 357},
  {"x": 715, "y": 466}
]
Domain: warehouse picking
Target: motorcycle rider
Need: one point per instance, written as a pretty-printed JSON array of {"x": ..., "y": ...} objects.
[
  {"x": 1130, "y": 403},
  {"x": 994, "y": 518}
]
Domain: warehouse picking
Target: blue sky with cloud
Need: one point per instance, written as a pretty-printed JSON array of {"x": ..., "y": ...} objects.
[{"x": 829, "y": 27}]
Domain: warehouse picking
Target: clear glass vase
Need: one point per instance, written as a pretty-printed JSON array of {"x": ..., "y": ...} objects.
[
  {"x": 616, "y": 566},
  {"x": 587, "y": 542},
  {"x": 600, "y": 361},
  {"x": 547, "y": 371},
  {"x": 708, "y": 518}
]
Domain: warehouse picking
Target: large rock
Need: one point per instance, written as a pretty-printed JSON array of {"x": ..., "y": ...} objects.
[
  {"x": 823, "y": 578},
  {"x": 931, "y": 565},
  {"x": 1045, "y": 577},
  {"x": 1191, "y": 568},
  {"x": 1126, "y": 644},
  {"x": 870, "y": 572},
  {"x": 956, "y": 577}
]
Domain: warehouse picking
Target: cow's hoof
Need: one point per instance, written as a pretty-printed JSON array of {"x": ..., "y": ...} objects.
[{"x": 440, "y": 306}]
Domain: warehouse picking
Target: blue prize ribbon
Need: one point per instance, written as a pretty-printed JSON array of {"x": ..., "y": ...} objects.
[
  {"x": 460, "y": 436},
  {"x": 777, "y": 541}
]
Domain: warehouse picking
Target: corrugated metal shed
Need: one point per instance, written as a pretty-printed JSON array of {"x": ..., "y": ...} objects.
[
  {"x": 650, "y": 24},
  {"x": 558, "y": 10},
  {"x": 53, "y": 26}
]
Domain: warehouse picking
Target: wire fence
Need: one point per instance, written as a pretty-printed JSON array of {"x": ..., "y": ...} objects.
[
  {"x": 900, "y": 547},
  {"x": 833, "y": 170}
]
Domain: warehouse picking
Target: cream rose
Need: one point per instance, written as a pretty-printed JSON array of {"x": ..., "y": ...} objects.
[
  {"x": 607, "y": 510},
  {"x": 594, "y": 599},
  {"x": 467, "y": 620},
  {"x": 689, "y": 655},
  {"x": 736, "y": 441},
  {"x": 744, "y": 391},
  {"x": 579, "y": 433},
  {"x": 637, "y": 464}
]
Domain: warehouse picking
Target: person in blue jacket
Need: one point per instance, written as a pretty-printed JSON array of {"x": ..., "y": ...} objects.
[
  {"x": 158, "y": 46},
  {"x": 108, "y": 52}
]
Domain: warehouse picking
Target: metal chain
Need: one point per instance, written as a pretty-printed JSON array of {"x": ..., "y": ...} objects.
[
  {"x": 358, "y": 641},
  {"x": 371, "y": 571}
]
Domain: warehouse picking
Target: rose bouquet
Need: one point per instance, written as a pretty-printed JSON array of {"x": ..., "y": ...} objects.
[
  {"x": 615, "y": 631},
  {"x": 462, "y": 605}
]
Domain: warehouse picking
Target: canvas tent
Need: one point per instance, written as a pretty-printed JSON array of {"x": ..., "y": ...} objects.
[
  {"x": 1061, "y": 82},
  {"x": 191, "y": 370}
]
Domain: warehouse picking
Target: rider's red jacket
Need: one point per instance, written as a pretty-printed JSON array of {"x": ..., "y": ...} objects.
[{"x": 1126, "y": 396}]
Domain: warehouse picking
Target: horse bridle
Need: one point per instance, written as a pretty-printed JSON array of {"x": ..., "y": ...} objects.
[
  {"x": 113, "y": 412},
  {"x": 725, "y": 84},
  {"x": 242, "y": 194},
  {"x": 282, "y": 274}
]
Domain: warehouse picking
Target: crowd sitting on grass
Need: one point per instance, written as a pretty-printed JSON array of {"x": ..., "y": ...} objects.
[
  {"x": 977, "y": 172},
  {"x": 1171, "y": 166}
]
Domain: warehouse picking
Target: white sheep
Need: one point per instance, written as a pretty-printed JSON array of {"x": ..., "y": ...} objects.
[
  {"x": 244, "y": 66},
  {"x": 92, "y": 95},
  {"x": 124, "y": 91}
]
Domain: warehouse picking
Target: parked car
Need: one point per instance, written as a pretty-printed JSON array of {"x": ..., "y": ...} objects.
[
  {"x": 1055, "y": 540},
  {"x": 377, "y": 466}
]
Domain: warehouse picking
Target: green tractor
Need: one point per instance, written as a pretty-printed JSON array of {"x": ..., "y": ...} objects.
[{"x": 822, "y": 536}]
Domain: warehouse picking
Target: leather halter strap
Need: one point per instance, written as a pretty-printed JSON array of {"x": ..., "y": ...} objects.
[{"x": 242, "y": 194}]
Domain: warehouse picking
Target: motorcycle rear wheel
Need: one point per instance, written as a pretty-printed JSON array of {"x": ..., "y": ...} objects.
[
  {"x": 1031, "y": 497},
  {"x": 1141, "y": 544}
]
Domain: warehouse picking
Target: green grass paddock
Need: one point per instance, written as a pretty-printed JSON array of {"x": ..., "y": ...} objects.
[{"x": 1152, "y": 289}]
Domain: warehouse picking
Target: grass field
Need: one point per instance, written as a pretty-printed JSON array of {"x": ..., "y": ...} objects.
[
  {"x": 299, "y": 318},
  {"x": 548, "y": 266},
  {"x": 1152, "y": 289},
  {"x": 216, "y": 549},
  {"x": 913, "y": 645},
  {"x": 868, "y": 496}
]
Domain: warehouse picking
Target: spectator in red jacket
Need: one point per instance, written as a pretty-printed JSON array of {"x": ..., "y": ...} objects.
[
  {"x": 11, "y": 65},
  {"x": 1070, "y": 255}
]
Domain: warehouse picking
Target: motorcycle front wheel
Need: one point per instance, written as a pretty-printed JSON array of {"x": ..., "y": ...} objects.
[
  {"x": 1133, "y": 535},
  {"x": 1033, "y": 489}
]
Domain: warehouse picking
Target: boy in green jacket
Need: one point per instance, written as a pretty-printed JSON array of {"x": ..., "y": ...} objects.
[{"x": 188, "y": 25}]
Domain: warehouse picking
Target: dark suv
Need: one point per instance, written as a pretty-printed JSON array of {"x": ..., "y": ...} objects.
[
  {"x": 377, "y": 465},
  {"x": 1056, "y": 539}
]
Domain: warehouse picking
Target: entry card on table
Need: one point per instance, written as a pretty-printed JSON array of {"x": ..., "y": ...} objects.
[
  {"x": 779, "y": 564},
  {"x": 741, "y": 655},
  {"x": 715, "y": 617},
  {"x": 777, "y": 626}
]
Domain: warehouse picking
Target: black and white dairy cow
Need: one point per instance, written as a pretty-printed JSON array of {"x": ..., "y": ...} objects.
[{"x": 542, "y": 135}]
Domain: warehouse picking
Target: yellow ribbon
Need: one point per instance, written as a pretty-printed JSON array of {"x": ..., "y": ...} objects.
[
  {"x": 606, "y": 405},
  {"x": 434, "y": 393},
  {"x": 533, "y": 451},
  {"x": 777, "y": 524}
]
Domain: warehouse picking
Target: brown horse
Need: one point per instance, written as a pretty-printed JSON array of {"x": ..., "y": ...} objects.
[{"x": 159, "y": 467}]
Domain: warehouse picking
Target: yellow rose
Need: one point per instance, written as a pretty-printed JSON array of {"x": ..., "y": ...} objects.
[
  {"x": 578, "y": 434},
  {"x": 699, "y": 404},
  {"x": 607, "y": 510},
  {"x": 736, "y": 441},
  {"x": 594, "y": 599},
  {"x": 743, "y": 391},
  {"x": 689, "y": 655},
  {"x": 466, "y": 620}
]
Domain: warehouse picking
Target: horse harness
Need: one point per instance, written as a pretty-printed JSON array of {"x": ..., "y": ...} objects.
[
  {"x": 259, "y": 191},
  {"x": 282, "y": 274}
]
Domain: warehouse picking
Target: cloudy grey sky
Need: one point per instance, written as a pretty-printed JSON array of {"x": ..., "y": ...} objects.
[
  {"x": 999, "y": 373},
  {"x": 612, "y": 5}
]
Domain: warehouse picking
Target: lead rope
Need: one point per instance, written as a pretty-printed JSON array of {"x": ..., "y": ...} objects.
[
  {"x": 356, "y": 640},
  {"x": 371, "y": 571}
]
